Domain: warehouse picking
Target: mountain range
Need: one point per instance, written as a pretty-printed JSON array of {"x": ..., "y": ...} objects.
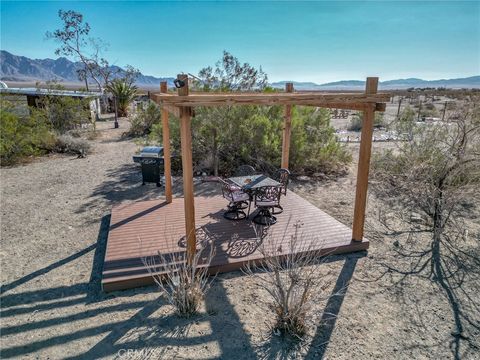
[
  {"x": 23, "y": 69},
  {"x": 20, "y": 68},
  {"x": 468, "y": 82}
]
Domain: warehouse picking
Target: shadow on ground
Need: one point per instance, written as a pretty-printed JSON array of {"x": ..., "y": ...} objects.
[
  {"x": 124, "y": 184},
  {"x": 152, "y": 329}
]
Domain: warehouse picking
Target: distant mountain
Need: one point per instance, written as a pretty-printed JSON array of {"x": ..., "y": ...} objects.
[
  {"x": 469, "y": 82},
  {"x": 21, "y": 68}
]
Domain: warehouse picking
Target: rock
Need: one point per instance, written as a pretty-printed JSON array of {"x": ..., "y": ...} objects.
[{"x": 303, "y": 178}]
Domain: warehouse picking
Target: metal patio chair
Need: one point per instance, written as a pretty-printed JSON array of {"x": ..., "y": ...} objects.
[
  {"x": 236, "y": 200},
  {"x": 266, "y": 199},
  {"x": 283, "y": 177},
  {"x": 245, "y": 170}
]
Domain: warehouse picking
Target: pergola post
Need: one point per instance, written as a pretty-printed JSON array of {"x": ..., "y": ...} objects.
[
  {"x": 364, "y": 163},
  {"x": 166, "y": 148},
  {"x": 187, "y": 168},
  {"x": 287, "y": 129}
]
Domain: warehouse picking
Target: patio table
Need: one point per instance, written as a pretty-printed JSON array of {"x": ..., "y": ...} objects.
[{"x": 249, "y": 183}]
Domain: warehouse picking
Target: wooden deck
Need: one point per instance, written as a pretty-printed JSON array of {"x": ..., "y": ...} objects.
[{"x": 142, "y": 229}]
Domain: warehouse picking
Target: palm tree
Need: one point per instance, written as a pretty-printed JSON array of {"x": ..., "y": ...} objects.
[{"x": 124, "y": 92}]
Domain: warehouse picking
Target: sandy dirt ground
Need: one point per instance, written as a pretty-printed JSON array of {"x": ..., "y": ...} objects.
[{"x": 54, "y": 223}]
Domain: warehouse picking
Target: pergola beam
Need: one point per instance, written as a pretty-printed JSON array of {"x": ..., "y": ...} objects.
[
  {"x": 332, "y": 100},
  {"x": 174, "y": 110}
]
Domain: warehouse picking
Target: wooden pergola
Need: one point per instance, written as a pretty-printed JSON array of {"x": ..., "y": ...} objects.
[{"x": 183, "y": 103}]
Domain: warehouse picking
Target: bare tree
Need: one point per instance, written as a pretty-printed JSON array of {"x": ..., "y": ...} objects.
[
  {"x": 432, "y": 180},
  {"x": 75, "y": 42}
]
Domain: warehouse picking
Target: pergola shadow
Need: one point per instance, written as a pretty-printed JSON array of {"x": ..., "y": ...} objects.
[
  {"x": 143, "y": 331},
  {"x": 154, "y": 230}
]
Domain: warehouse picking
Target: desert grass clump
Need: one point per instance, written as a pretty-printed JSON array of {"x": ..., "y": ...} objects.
[
  {"x": 72, "y": 145},
  {"x": 292, "y": 280},
  {"x": 183, "y": 283}
]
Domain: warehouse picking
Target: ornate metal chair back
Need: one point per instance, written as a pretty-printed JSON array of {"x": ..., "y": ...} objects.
[
  {"x": 268, "y": 194},
  {"x": 227, "y": 189},
  {"x": 283, "y": 177},
  {"x": 244, "y": 170}
]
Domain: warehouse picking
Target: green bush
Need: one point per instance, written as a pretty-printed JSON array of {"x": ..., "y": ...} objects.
[
  {"x": 406, "y": 125},
  {"x": 228, "y": 136},
  {"x": 428, "y": 110},
  {"x": 253, "y": 135},
  {"x": 143, "y": 122},
  {"x": 314, "y": 146},
  {"x": 23, "y": 136},
  {"x": 357, "y": 121},
  {"x": 64, "y": 113},
  {"x": 37, "y": 133}
]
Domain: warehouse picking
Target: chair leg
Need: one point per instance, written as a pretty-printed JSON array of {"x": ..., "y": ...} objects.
[
  {"x": 234, "y": 212},
  {"x": 243, "y": 205},
  {"x": 279, "y": 211},
  {"x": 264, "y": 217}
]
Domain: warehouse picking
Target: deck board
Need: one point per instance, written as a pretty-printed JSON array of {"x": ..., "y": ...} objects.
[{"x": 144, "y": 228}]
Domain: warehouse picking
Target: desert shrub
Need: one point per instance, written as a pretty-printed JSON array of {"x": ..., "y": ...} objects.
[
  {"x": 429, "y": 106},
  {"x": 34, "y": 133},
  {"x": 183, "y": 284},
  {"x": 223, "y": 140},
  {"x": 72, "y": 145},
  {"x": 451, "y": 105},
  {"x": 23, "y": 136},
  {"x": 292, "y": 280},
  {"x": 435, "y": 174},
  {"x": 64, "y": 113},
  {"x": 143, "y": 122},
  {"x": 228, "y": 136},
  {"x": 314, "y": 146},
  {"x": 75, "y": 133},
  {"x": 429, "y": 110},
  {"x": 357, "y": 121},
  {"x": 406, "y": 125}
]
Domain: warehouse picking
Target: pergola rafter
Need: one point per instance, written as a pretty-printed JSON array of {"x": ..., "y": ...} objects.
[
  {"x": 182, "y": 104},
  {"x": 349, "y": 101}
]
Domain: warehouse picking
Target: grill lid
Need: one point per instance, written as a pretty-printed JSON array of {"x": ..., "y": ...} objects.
[{"x": 152, "y": 151}]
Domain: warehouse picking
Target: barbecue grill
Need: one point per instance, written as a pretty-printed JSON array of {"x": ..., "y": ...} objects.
[{"x": 151, "y": 160}]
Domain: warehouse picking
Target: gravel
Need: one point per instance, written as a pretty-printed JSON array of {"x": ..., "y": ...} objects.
[{"x": 55, "y": 216}]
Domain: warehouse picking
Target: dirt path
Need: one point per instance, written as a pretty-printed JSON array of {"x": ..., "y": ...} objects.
[{"x": 53, "y": 232}]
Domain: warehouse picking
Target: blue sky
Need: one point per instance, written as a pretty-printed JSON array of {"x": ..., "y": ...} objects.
[{"x": 304, "y": 41}]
